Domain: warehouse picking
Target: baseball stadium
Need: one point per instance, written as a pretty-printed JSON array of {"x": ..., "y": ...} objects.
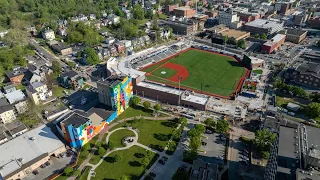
[{"x": 200, "y": 71}]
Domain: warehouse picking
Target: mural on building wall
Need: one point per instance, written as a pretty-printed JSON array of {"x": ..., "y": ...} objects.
[{"x": 121, "y": 95}]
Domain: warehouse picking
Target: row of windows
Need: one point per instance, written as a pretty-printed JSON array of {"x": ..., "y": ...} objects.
[
  {"x": 311, "y": 78},
  {"x": 310, "y": 83}
]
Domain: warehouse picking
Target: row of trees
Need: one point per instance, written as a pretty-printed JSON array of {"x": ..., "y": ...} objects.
[
  {"x": 194, "y": 136},
  {"x": 262, "y": 36},
  {"x": 291, "y": 89},
  {"x": 240, "y": 44},
  {"x": 147, "y": 105},
  {"x": 221, "y": 126}
]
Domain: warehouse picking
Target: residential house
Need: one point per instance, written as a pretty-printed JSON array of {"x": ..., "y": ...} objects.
[
  {"x": 127, "y": 45},
  {"x": 120, "y": 47},
  {"x": 127, "y": 14},
  {"x": 71, "y": 79},
  {"x": 62, "y": 31},
  {"x": 9, "y": 88},
  {"x": 6, "y": 114},
  {"x": 62, "y": 23},
  {"x": 48, "y": 34},
  {"x": 146, "y": 39},
  {"x": 79, "y": 18},
  {"x": 92, "y": 16},
  {"x": 137, "y": 42},
  {"x": 105, "y": 22},
  {"x": 15, "y": 128},
  {"x": 113, "y": 51},
  {"x": 62, "y": 49},
  {"x": 38, "y": 92},
  {"x": 3, "y": 33},
  {"x": 30, "y": 77},
  {"x": 114, "y": 18},
  {"x": 16, "y": 75},
  {"x": 110, "y": 40},
  {"x": 18, "y": 100}
]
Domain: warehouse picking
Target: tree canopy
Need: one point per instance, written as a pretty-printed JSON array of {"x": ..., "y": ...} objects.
[
  {"x": 222, "y": 126},
  {"x": 91, "y": 56},
  {"x": 81, "y": 33},
  {"x": 264, "y": 139},
  {"x": 313, "y": 109}
]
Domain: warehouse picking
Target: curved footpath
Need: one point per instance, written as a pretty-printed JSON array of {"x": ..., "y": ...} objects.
[{"x": 134, "y": 143}]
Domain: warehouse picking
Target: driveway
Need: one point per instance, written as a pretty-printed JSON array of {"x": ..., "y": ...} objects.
[
  {"x": 56, "y": 164},
  {"x": 174, "y": 162}
]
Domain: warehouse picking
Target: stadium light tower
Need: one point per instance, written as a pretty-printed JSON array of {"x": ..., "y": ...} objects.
[{"x": 180, "y": 77}]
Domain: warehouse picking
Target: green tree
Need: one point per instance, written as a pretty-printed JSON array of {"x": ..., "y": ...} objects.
[
  {"x": 241, "y": 44},
  {"x": 101, "y": 151},
  {"x": 189, "y": 155},
  {"x": 85, "y": 147},
  {"x": 77, "y": 173},
  {"x": 16, "y": 37},
  {"x": 138, "y": 12},
  {"x": 125, "y": 177},
  {"x": 91, "y": 56},
  {"x": 117, "y": 158},
  {"x": 257, "y": 36},
  {"x": 146, "y": 105},
  {"x": 210, "y": 122},
  {"x": 68, "y": 171},
  {"x": 180, "y": 175},
  {"x": 313, "y": 109},
  {"x": 222, "y": 126},
  {"x": 136, "y": 101},
  {"x": 195, "y": 143},
  {"x": 263, "y": 36},
  {"x": 145, "y": 161},
  {"x": 200, "y": 128},
  {"x": 157, "y": 108},
  {"x": 264, "y": 139},
  {"x": 225, "y": 39},
  {"x": 111, "y": 145},
  {"x": 56, "y": 68},
  {"x": 183, "y": 121}
]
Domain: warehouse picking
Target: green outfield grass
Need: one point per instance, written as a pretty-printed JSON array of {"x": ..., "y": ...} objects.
[{"x": 214, "y": 73}]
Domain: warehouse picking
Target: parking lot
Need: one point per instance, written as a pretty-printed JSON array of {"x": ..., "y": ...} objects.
[
  {"x": 214, "y": 147},
  {"x": 56, "y": 165}
]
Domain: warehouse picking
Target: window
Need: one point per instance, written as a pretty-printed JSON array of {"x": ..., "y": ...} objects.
[
  {"x": 317, "y": 80},
  {"x": 302, "y": 76},
  {"x": 307, "y": 77}
]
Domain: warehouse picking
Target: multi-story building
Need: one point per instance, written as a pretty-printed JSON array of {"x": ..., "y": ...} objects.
[
  {"x": 78, "y": 127},
  {"x": 186, "y": 12},
  {"x": 7, "y": 114},
  {"x": 203, "y": 171},
  {"x": 248, "y": 16},
  {"x": 261, "y": 26},
  {"x": 71, "y": 79},
  {"x": 274, "y": 43},
  {"x": 38, "y": 92},
  {"x": 283, "y": 8},
  {"x": 314, "y": 22},
  {"x": 48, "y": 34},
  {"x": 228, "y": 17},
  {"x": 27, "y": 152},
  {"x": 169, "y": 8},
  {"x": 18, "y": 100},
  {"x": 295, "y": 35},
  {"x": 234, "y": 36},
  {"x": 305, "y": 74},
  {"x": 182, "y": 28},
  {"x": 62, "y": 49}
]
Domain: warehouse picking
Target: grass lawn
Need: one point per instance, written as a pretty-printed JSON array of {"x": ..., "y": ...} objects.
[
  {"x": 283, "y": 101},
  {"x": 257, "y": 71},
  {"x": 21, "y": 87},
  {"x": 85, "y": 174},
  {"x": 137, "y": 111},
  {"x": 58, "y": 91},
  {"x": 216, "y": 73},
  {"x": 129, "y": 165},
  {"x": 168, "y": 72},
  {"x": 95, "y": 157},
  {"x": 62, "y": 177},
  {"x": 117, "y": 136},
  {"x": 155, "y": 134}
]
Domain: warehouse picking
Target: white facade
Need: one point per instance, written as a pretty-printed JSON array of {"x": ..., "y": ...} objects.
[
  {"x": 48, "y": 34},
  {"x": 7, "y": 116},
  {"x": 228, "y": 18}
]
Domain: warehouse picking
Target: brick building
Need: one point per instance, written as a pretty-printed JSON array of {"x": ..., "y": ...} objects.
[
  {"x": 274, "y": 43},
  {"x": 184, "y": 12}
]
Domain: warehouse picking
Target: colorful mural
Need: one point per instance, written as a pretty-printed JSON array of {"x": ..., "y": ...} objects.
[{"x": 121, "y": 95}]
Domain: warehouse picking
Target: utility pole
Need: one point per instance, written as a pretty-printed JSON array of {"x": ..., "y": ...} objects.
[{"x": 179, "y": 91}]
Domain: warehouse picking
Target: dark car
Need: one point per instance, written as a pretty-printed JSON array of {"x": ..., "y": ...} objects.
[
  {"x": 47, "y": 163},
  {"x": 203, "y": 143},
  {"x": 183, "y": 168},
  {"x": 43, "y": 166},
  {"x": 152, "y": 174},
  {"x": 35, "y": 172},
  {"x": 162, "y": 162}
]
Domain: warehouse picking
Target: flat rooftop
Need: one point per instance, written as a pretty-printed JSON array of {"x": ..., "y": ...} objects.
[
  {"x": 20, "y": 151},
  {"x": 287, "y": 142},
  {"x": 195, "y": 99},
  {"x": 218, "y": 29},
  {"x": 182, "y": 8},
  {"x": 263, "y": 23},
  {"x": 313, "y": 136},
  {"x": 296, "y": 32},
  {"x": 232, "y": 33},
  {"x": 163, "y": 88},
  {"x": 15, "y": 96},
  {"x": 75, "y": 118},
  {"x": 275, "y": 40}
]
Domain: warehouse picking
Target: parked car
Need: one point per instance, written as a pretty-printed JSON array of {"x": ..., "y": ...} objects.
[
  {"x": 35, "y": 172},
  {"x": 47, "y": 163},
  {"x": 43, "y": 166},
  {"x": 203, "y": 143},
  {"x": 152, "y": 174}
]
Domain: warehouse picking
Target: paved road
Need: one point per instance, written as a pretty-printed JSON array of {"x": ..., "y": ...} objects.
[{"x": 45, "y": 53}]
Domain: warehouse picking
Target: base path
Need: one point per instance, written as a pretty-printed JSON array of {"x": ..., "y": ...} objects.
[{"x": 181, "y": 71}]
